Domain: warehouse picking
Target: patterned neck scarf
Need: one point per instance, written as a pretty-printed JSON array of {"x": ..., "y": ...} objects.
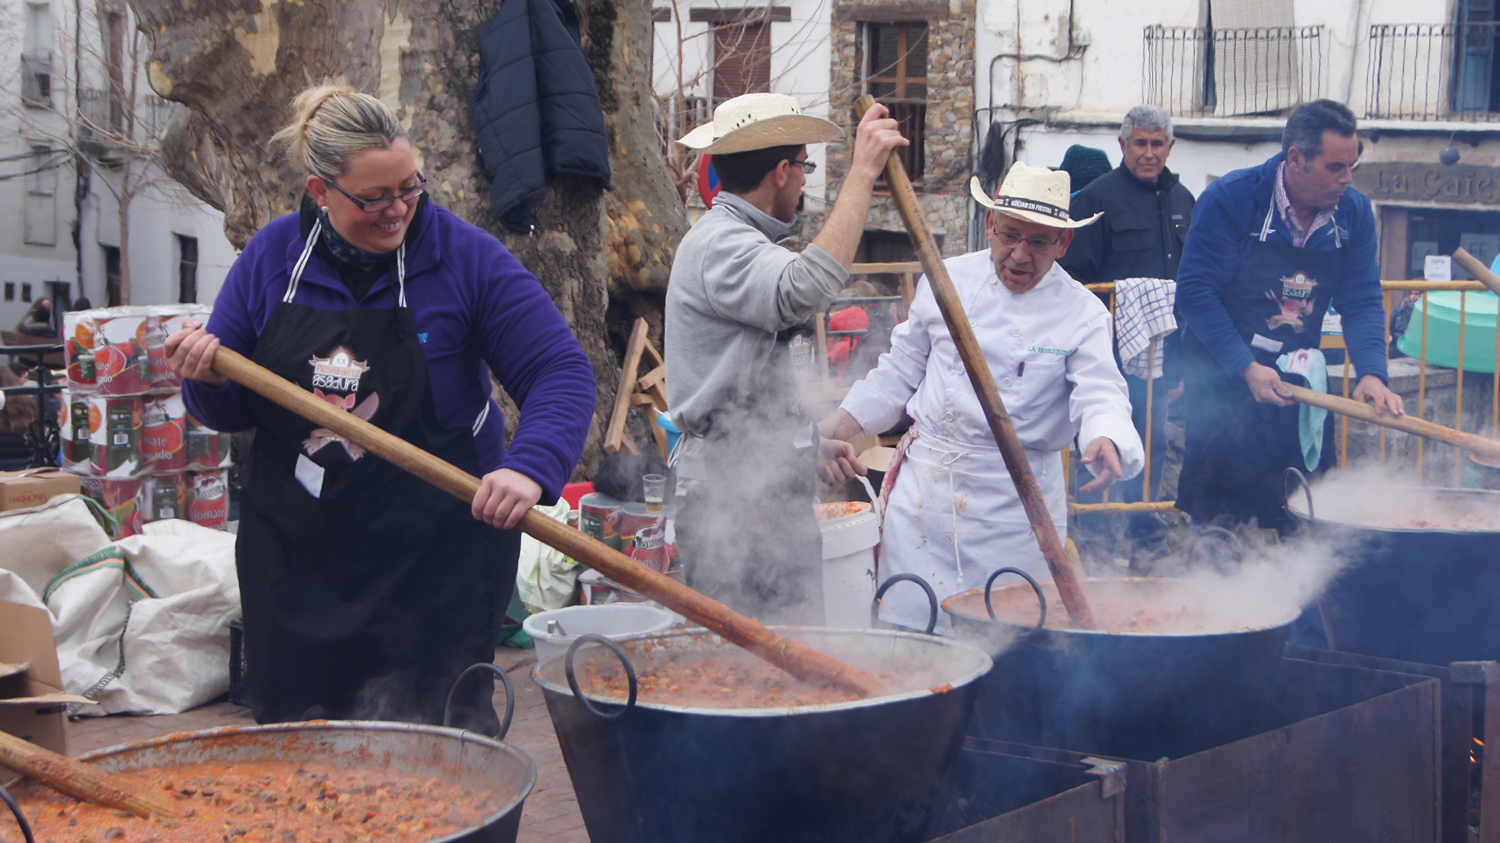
[
  {"x": 348, "y": 253},
  {"x": 1293, "y": 225}
]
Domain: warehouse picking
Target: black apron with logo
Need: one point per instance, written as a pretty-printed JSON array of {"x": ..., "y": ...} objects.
[
  {"x": 366, "y": 591},
  {"x": 1237, "y": 448}
]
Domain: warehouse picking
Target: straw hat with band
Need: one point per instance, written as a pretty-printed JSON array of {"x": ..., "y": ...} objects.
[
  {"x": 759, "y": 121},
  {"x": 1032, "y": 194}
]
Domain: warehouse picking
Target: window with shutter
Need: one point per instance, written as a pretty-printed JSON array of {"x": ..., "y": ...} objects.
[
  {"x": 896, "y": 75},
  {"x": 742, "y": 59}
]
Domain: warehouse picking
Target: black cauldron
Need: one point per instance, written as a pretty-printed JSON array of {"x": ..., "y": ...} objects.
[
  {"x": 867, "y": 771},
  {"x": 1137, "y": 695},
  {"x": 1418, "y": 594}
]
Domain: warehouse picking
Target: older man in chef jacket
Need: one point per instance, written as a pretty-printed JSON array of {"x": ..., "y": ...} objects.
[{"x": 952, "y": 515}]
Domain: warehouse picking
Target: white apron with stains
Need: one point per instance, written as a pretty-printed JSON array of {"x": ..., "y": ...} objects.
[{"x": 945, "y": 489}]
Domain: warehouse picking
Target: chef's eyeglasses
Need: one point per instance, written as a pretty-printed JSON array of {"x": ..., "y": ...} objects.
[
  {"x": 1035, "y": 244},
  {"x": 808, "y": 167},
  {"x": 375, "y": 206}
]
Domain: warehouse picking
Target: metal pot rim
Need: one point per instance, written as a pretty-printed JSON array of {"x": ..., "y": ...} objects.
[
  {"x": 1024, "y": 629},
  {"x": 985, "y": 664},
  {"x": 1299, "y": 513},
  {"x": 462, "y": 735}
]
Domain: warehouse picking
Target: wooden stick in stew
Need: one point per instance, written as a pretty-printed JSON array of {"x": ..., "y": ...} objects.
[
  {"x": 797, "y": 659},
  {"x": 1068, "y": 586},
  {"x": 82, "y": 782}
]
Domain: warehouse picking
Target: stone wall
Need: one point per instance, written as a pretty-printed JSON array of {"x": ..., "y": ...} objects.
[{"x": 943, "y": 188}]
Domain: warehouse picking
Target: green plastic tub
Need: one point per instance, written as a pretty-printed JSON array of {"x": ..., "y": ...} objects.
[{"x": 1442, "y": 327}]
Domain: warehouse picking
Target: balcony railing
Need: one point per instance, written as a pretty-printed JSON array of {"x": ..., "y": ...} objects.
[
  {"x": 93, "y": 109},
  {"x": 36, "y": 79},
  {"x": 157, "y": 112},
  {"x": 1197, "y": 72},
  {"x": 1433, "y": 72}
]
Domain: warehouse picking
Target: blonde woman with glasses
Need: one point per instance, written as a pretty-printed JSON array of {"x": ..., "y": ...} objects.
[{"x": 365, "y": 590}]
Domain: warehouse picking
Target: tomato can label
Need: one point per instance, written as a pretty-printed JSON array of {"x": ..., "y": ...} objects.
[{"x": 208, "y": 499}]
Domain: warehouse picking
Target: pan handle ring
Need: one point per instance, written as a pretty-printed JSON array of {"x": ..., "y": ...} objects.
[
  {"x": 1220, "y": 534},
  {"x": 1040, "y": 597},
  {"x": 1287, "y": 489},
  {"x": 510, "y": 696},
  {"x": 932, "y": 601},
  {"x": 596, "y": 638},
  {"x": 10, "y": 801}
]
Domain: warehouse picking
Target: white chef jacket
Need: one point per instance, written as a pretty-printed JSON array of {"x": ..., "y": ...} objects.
[{"x": 953, "y": 515}]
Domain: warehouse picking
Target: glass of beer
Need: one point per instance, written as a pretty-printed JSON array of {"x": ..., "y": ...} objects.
[{"x": 654, "y": 487}]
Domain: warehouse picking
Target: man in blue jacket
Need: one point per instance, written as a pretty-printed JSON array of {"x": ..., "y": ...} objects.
[{"x": 1270, "y": 247}]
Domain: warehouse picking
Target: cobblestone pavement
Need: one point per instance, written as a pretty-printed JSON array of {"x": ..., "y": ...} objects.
[{"x": 551, "y": 812}]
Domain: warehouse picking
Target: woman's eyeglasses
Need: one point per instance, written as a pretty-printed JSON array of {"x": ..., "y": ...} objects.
[{"x": 372, "y": 206}]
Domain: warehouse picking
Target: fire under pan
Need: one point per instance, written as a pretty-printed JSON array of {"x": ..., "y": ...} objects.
[
  {"x": 992, "y": 797},
  {"x": 1471, "y": 738},
  {"x": 1357, "y": 756}
]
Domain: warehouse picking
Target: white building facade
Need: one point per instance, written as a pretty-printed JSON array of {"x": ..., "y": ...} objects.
[
  {"x": 707, "y": 51},
  {"x": 1052, "y": 74},
  {"x": 74, "y": 102}
]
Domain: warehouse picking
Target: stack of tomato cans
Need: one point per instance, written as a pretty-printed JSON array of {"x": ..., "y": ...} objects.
[{"x": 124, "y": 427}]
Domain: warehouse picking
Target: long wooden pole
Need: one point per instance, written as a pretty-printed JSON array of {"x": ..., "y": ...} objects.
[
  {"x": 1068, "y": 587},
  {"x": 81, "y": 781},
  {"x": 797, "y": 659},
  {"x": 1477, "y": 269},
  {"x": 1486, "y": 448}
]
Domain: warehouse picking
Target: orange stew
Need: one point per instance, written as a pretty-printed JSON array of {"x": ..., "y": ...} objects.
[
  {"x": 839, "y": 509},
  {"x": 1114, "y": 613},
  {"x": 267, "y": 803},
  {"x": 726, "y": 679}
]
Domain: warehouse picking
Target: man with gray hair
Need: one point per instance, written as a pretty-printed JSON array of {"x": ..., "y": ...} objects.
[{"x": 1146, "y": 216}]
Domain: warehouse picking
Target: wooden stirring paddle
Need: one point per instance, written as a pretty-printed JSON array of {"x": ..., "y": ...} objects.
[
  {"x": 82, "y": 782},
  {"x": 797, "y": 659},
  {"x": 1068, "y": 586}
]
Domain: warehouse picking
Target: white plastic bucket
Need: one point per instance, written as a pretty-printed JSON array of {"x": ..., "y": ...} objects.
[
  {"x": 849, "y": 569},
  {"x": 613, "y": 621}
]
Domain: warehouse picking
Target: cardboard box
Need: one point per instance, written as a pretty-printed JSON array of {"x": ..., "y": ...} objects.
[
  {"x": 33, "y": 487},
  {"x": 32, "y": 703}
]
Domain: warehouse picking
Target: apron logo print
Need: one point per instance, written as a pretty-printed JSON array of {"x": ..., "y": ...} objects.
[
  {"x": 1296, "y": 301},
  {"x": 323, "y": 436},
  {"x": 422, "y": 338},
  {"x": 339, "y": 371}
]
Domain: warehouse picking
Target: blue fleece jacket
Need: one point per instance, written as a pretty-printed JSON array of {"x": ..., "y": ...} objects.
[
  {"x": 477, "y": 310},
  {"x": 1227, "y": 221}
]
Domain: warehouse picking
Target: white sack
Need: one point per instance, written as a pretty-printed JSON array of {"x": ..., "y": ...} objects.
[{"x": 141, "y": 624}]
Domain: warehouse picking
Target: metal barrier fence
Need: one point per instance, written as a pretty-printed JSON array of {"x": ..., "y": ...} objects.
[
  {"x": 909, "y": 272},
  {"x": 1393, "y": 290}
]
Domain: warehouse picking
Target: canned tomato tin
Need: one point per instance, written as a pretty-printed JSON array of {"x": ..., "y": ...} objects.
[
  {"x": 162, "y": 421},
  {"x": 595, "y": 512},
  {"x": 86, "y": 373},
  {"x": 208, "y": 499},
  {"x": 115, "y": 436},
  {"x": 78, "y": 449},
  {"x": 167, "y": 496}
]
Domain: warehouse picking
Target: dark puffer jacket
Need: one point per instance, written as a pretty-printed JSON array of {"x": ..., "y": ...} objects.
[{"x": 536, "y": 111}]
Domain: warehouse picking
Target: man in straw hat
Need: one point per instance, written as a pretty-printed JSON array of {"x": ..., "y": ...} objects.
[
  {"x": 952, "y": 515},
  {"x": 738, "y": 347}
]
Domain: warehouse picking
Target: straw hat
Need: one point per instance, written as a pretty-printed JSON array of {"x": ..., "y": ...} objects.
[
  {"x": 1032, "y": 194},
  {"x": 759, "y": 121}
]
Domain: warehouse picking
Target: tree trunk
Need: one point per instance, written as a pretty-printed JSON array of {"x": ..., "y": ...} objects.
[
  {"x": 122, "y": 204},
  {"x": 237, "y": 64}
]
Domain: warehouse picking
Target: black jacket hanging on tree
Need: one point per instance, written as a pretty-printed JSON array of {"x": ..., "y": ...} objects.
[{"x": 536, "y": 111}]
